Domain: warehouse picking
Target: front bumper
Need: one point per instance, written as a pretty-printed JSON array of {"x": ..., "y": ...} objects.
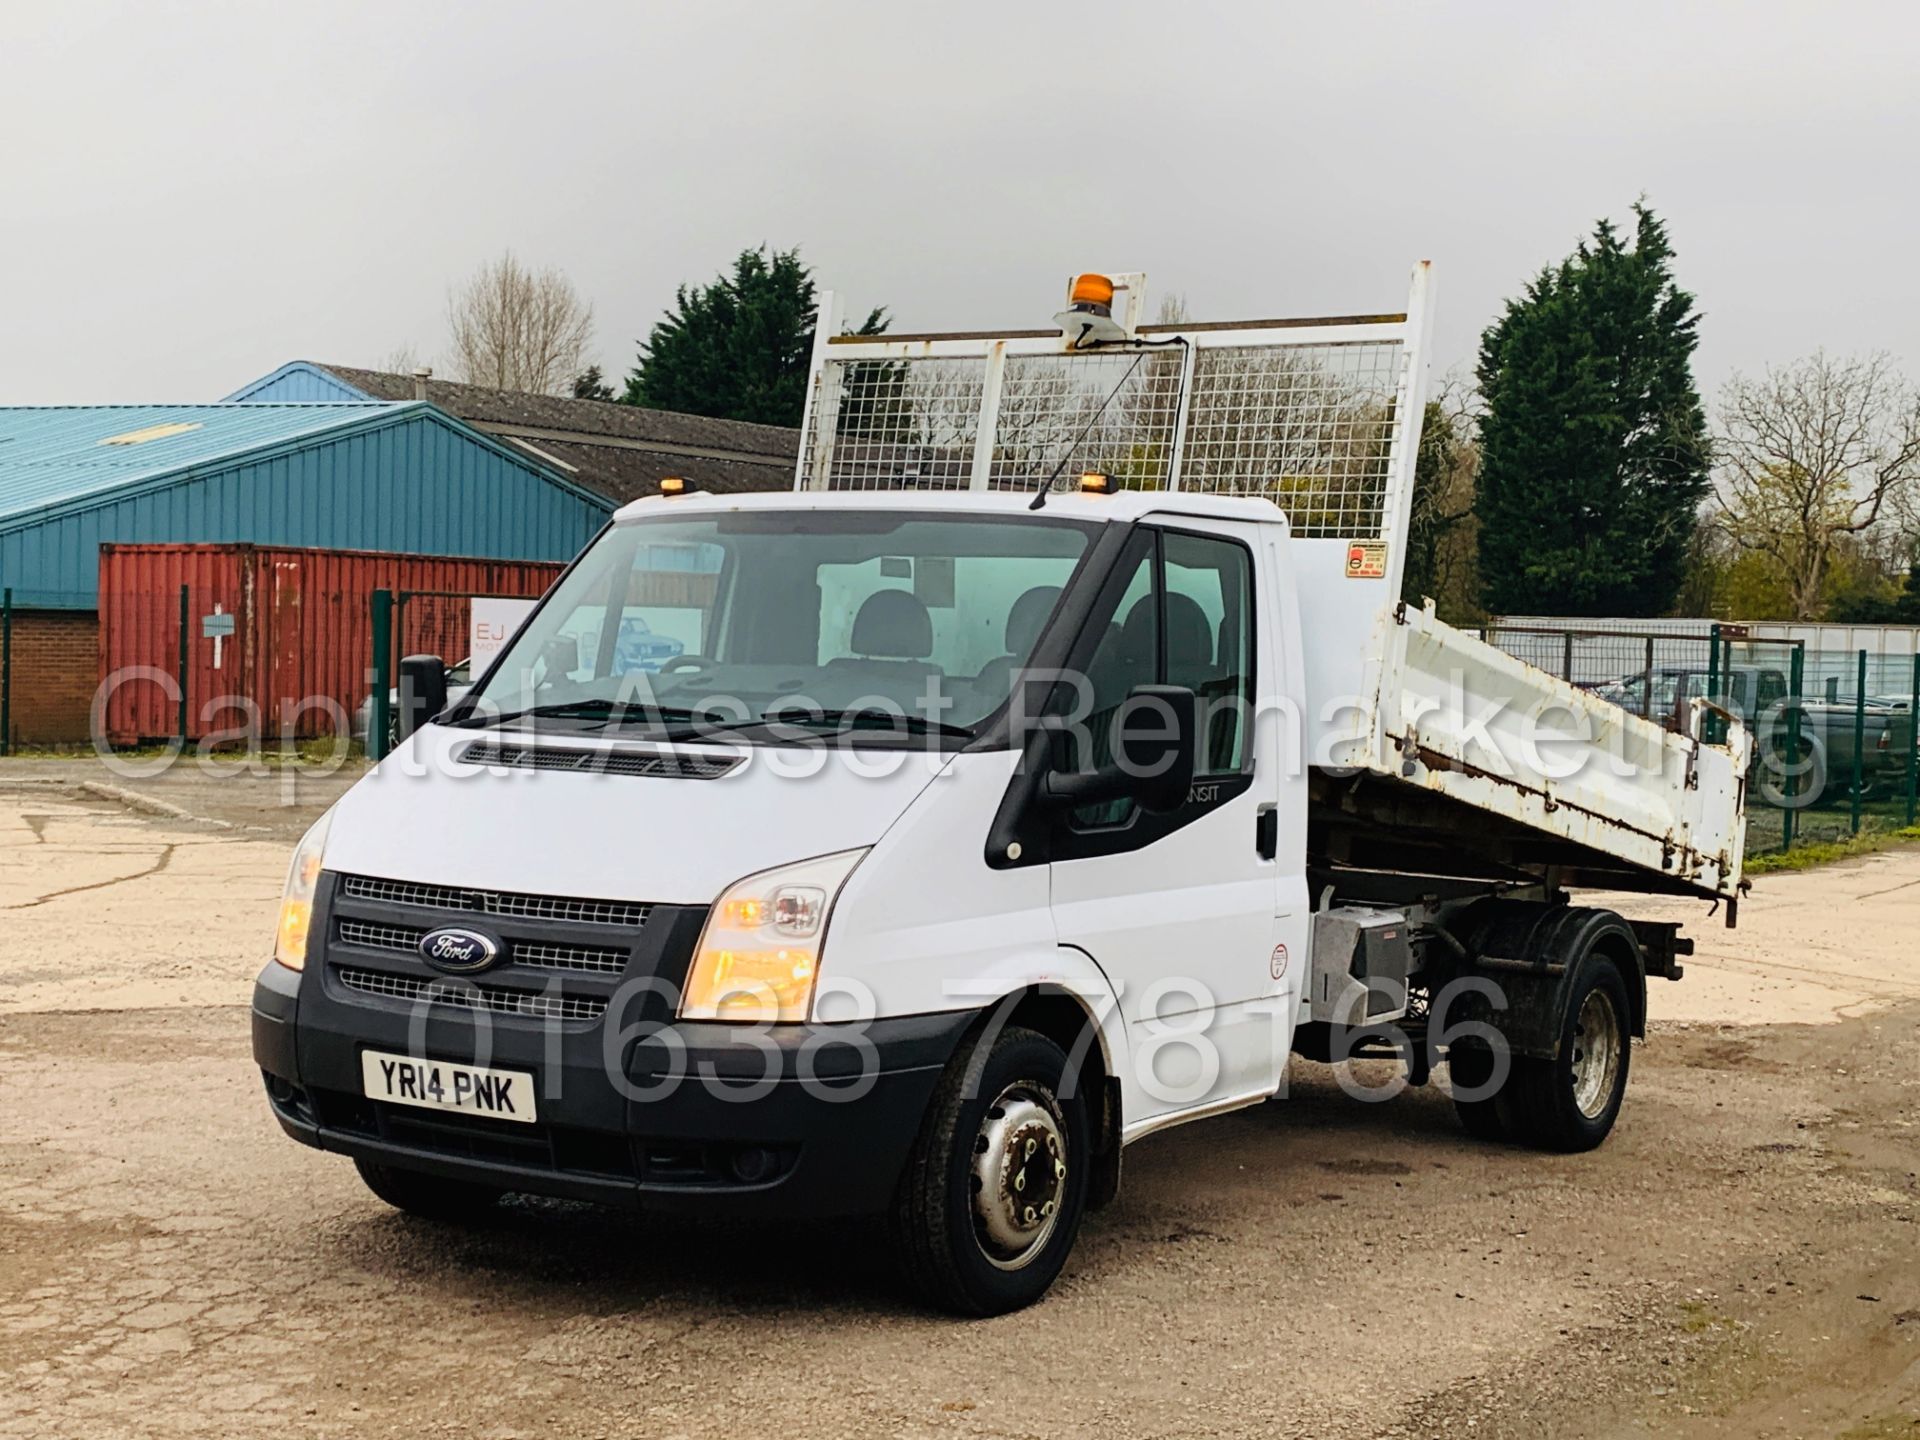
[{"x": 690, "y": 1117}]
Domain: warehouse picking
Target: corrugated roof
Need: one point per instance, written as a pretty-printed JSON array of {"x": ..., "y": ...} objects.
[
  {"x": 50, "y": 455},
  {"x": 622, "y": 451}
]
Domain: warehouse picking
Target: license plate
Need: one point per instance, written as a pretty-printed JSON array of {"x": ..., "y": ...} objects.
[{"x": 439, "y": 1085}]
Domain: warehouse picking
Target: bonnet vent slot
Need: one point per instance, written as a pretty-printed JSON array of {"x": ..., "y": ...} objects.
[{"x": 661, "y": 765}]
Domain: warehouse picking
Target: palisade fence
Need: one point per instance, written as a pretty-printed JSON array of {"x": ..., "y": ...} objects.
[{"x": 1835, "y": 746}]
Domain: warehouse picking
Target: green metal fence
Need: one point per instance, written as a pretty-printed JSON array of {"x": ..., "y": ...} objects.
[
  {"x": 1841, "y": 757},
  {"x": 1835, "y": 744}
]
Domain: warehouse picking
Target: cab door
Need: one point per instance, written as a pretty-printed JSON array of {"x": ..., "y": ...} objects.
[{"x": 1183, "y": 911}]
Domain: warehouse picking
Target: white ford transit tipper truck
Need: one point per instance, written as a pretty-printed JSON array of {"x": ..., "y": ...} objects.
[{"x": 985, "y": 825}]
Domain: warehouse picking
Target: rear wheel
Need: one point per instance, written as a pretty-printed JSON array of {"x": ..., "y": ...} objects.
[
  {"x": 991, "y": 1199},
  {"x": 427, "y": 1196},
  {"x": 1571, "y": 1101}
]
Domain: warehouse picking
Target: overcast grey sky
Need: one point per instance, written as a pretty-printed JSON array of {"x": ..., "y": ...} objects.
[{"x": 195, "y": 193}]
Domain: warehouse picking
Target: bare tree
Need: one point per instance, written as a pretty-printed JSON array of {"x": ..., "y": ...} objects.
[
  {"x": 1812, "y": 454},
  {"x": 517, "y": 329},
  {"x": 403, "y": 359}
]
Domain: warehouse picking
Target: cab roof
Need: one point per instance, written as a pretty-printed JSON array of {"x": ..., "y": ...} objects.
[{"x": 1123, "y": 506}]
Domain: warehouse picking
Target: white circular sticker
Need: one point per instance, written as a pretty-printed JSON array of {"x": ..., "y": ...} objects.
[{"x": 1279, "y": 961}]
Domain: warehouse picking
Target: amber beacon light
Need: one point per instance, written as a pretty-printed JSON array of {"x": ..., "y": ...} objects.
[
  {"x": 1088, "y": 318},
  {"x": 1093, "y": 291}
]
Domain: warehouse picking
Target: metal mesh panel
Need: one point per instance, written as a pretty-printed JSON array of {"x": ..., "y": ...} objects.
[
  {"x": 398, "y": 938},
  {"x": 1112, "y": 411},
  {"x": 540, "y": 1005},
  {"x": 1309, "y": 427},
  {"x": 546, "y": 956},
  {"x": 899, "y": 423},
  {"x": 538, "y": 954},
  {"x": 495, "y": 902},
  {"x": 1637, "y": 670}
]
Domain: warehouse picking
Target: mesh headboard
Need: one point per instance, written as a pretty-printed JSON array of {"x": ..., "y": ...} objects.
[{"x": 1319, "y": 416}]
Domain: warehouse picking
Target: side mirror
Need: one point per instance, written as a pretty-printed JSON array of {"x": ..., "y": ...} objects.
[
  {"x": 423, "y": 691},
  {"x": 1156, "y": 741}
]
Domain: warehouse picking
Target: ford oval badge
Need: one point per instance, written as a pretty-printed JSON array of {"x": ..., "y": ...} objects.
[{"x": 457, "y": 951}]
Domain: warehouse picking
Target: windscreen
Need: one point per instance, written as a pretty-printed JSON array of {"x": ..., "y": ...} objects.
[{"x": 788, "y": 614}]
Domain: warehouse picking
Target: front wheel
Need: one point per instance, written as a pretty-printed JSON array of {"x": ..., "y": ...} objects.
[
  {"x": 991, "y": 1199},
  {"x": 1571, "y": 1101}
]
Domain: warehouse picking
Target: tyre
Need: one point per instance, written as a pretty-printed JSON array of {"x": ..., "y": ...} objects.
[
  {"x": 1791, "y": 780},
  {"x": 1571, "y": 1101},
  {"x": 427, "y": 1196},
  {"x": 991, "y": 1199},
  {"x": 1472, "y": 1067}
]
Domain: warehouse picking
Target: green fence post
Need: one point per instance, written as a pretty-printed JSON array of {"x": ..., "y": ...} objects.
[
  {"x": 1859, "y": 738},
  {"x": 1796, "y": 685},
  {"x": 1913, "y": 737},
  {"x": 380, "y": 714},
  {"x": 6, "y": 671},
  {"x": 185, "y": 651}
]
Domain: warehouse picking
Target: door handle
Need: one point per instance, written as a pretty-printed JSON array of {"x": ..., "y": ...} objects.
[{"x": 1266, "y": 831}]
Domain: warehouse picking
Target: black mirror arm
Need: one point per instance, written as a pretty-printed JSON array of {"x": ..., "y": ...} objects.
[{"x": 1072, "y": 789}]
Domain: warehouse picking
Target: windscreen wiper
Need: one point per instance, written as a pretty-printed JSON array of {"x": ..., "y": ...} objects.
[
  {"x": 810, "y": 722},
  {"x": 875, "y": 718},
  {"x": 613, "y": 710}
]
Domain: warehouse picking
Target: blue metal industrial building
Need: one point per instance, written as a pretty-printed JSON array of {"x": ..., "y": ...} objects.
[{"x": 401, "y": 477}]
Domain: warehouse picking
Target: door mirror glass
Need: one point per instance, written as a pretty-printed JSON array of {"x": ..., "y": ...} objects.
[
  {"x": 1156, "y": 745},
  {"x": 423, "y": 691}
]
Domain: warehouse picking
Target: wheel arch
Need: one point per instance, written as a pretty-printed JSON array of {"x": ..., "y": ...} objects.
[
  {"x": 1070, "y": 1001},
  {"x": 1531, "y": 950}
]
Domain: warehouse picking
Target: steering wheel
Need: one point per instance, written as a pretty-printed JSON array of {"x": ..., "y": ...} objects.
[{"x": 683, "y": 662}]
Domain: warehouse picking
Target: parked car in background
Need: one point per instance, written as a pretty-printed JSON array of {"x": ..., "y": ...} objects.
[
  {"x": 640, "y": 647},
  {"x": 1757, "y": 694}
]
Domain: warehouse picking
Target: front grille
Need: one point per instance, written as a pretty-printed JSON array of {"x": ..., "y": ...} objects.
[
  {"x": 538, "y": 954},
  {"x": 495, "y": 902},
  {"x": 381, "y": 937},
  {"x": 660, "y": 765},
  {"x": 544, "y": 956},
  {"x": 472, "y": 997}
]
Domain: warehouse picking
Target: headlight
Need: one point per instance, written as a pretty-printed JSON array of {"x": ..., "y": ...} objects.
[
  {"x": 759, "y": 955},
  {"x": 296, "y": 901}
]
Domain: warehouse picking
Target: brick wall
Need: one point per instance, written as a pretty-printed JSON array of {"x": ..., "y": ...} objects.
[{"x": 56, "y": 665}]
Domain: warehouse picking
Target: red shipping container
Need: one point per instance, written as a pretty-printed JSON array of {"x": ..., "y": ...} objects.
[{"x": 301, "y": 651}]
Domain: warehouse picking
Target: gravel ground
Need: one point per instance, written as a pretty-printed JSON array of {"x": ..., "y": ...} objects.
[{"x": 1739, "y": 1260}]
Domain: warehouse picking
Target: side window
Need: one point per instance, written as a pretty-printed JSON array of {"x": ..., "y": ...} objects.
[
  {"x": 1209, "y": 609},
  {"x": 1185, "y": 617}
]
